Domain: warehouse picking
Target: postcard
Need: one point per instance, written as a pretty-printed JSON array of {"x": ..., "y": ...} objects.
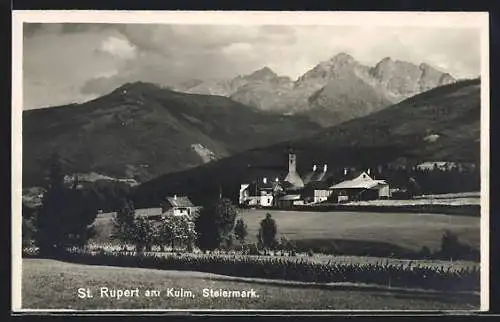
[{"x": 250, "y": 161}]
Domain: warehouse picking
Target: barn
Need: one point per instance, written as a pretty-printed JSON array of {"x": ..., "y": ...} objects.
[{"x": 360, "y": 186}]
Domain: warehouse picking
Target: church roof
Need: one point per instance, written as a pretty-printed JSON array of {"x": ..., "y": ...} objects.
[{"x": 294, "y": 179}]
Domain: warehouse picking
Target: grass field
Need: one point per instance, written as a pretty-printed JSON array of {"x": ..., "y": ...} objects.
[
  {"x": 50, "y": 284},
  {"x": 403, "y": 229},
  {"x": 412, "y": 231}
]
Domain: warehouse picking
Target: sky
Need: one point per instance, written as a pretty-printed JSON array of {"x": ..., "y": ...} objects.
[{"x": 75, "y": 62}]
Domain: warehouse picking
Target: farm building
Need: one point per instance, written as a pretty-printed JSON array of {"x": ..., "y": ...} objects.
[
  {"x": 178, "y": 206},
  {"x": 317, "y": 185},
  {"x": 360, "y": 186}
]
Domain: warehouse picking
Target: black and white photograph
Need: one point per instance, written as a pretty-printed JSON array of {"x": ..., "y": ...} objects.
[{"x": 250, "y": 161}]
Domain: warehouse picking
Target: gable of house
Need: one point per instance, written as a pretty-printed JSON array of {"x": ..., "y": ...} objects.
[
  {"x": 179, "y": 202},
  {"x": 361, "y": 181}
]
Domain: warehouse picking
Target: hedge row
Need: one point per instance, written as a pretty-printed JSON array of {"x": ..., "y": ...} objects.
[{"x": 395, "y": 275}]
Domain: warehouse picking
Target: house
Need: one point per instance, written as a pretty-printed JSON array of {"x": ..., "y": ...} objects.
[
  {"x": 290, "y": 200},
  {"x": 431, "y": 165},
  {"x": 445, "y": 166},
  {"x": 259, "y": 193},
  {"x": 178, "y": 206},
  {"x": 360, "y": 186},
  {"x": 316, "y": 189},
  {"x": 269, "y": 184}
]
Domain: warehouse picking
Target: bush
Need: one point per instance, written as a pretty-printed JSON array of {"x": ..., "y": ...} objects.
[
  {"x": 252, "y": 249},
  {"x": 240, "y": 231}
]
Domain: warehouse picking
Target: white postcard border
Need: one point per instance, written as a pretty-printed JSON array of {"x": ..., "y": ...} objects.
[{"x": 478, "y": 20}]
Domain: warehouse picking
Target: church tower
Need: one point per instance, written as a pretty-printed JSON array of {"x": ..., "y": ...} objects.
[
  {"x": 292, "y": 162},
  {"x": 292, "y": 176}
]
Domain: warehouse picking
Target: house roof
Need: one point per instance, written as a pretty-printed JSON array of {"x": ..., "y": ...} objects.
[
  {"x": 318, "y": 175},
  {"x": 361, "y": 181},
  {"x": 254, "y": 188},
  {"x": 290, "y": 197},
  {"x": 180, "y": 201},
  {"x": 318, "y": 185},
  {"x": 295, "y": 179},
  {"x": 148, "y": 212}
]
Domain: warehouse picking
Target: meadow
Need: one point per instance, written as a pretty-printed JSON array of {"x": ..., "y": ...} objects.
[
  {"x": 407, "y": 230},
  {"x": 51, "y": 284}
]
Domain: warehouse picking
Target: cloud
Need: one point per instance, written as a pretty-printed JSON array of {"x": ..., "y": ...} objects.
[
  {"x": 73, "y": 62},
  {"x": 118, "y": 47}
]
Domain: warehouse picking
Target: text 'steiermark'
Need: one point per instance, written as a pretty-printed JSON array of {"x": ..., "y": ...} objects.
[{"x": 112, "y": 293}]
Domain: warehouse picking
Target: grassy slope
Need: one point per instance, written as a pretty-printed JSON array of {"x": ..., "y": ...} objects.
[
  {"x": 450, "y": 111},
  {"x": 405, "y": 230},
  {"x": 51, "y": 284},
  {"x": 147, "y": 132},
  {"x": 411, "y": 231}
]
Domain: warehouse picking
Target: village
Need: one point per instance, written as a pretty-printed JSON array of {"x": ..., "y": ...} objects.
[
  {"x": 290, "y": 189},
  {"x": 285, "y": 188}
]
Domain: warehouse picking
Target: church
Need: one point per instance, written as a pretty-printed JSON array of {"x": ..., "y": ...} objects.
[{"x": 281, "y": 188}]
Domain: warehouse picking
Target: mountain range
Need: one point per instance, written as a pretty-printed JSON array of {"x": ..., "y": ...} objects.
[
  {"x": 141, "y": 130},
  {"x": 440, "y": 124},
  {"x": 334, "y": 91}
]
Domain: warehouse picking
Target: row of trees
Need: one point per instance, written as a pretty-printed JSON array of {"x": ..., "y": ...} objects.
[
  {"x": 215, "y": 226},
  {"x": 143, "y": 233}
]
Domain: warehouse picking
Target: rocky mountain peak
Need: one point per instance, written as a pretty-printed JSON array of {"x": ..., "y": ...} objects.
[
  {"x": 264, "y": 73},
  {"x": 342, "y": 58}
]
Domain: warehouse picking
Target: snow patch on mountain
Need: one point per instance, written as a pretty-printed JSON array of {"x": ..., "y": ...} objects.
[{"x": 205, "y": 154}]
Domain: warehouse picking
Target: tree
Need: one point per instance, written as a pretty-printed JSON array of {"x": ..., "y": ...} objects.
[
  {"x": 240, "y": 231},
  {"x": 66, "y": 216},
  {"x": 143, "y": 234},
  {"x": 450, "y": 245},
  {"x": 177, "y": 229},
  {"x": 27, "y": 232},
  {"x": 267, "y": 232},
  {"x": 124, "y": 223},
  {"x": 214, "y": 223}
]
